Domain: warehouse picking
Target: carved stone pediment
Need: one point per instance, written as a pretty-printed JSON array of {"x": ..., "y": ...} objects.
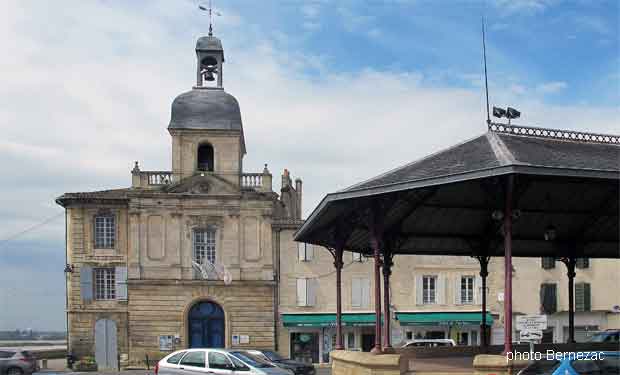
[{"x": 203, "y": 184}]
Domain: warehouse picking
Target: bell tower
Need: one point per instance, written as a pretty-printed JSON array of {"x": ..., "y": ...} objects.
[
  {"x": 205, "y": 122},
  {"x": 210, "y": 55}
]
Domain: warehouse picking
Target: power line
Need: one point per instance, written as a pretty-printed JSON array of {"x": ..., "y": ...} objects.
[{"x": 29, "y": 229}]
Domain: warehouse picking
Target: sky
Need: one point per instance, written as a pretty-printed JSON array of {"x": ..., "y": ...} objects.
[{"x": 336, "y": 92}]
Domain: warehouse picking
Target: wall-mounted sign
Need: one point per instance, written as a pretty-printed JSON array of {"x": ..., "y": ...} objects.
[
  {"x": 235, "y": 339},
  {"x": 166, "y": 343},
  {"x": 530, "y": 336},
  {"x": 500, "y": 297},
  {"x": 244, "y": 339},
  {"x": 531, "y": 322}
]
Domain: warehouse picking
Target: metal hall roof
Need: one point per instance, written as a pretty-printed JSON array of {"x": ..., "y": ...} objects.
[{"x": 443, "y": 204}]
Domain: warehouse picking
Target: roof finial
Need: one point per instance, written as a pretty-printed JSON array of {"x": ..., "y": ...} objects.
[{"x": 210, "y": 10}]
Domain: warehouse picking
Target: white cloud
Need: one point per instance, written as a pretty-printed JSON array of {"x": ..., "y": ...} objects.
[
  {"x": 522, "y": 6},
  {"x": 551, "y": 87}
]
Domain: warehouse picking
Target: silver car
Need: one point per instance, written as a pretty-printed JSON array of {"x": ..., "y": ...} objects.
[
  {"x": 217, "y": 362},
  {"x": 17, "y": 362}
]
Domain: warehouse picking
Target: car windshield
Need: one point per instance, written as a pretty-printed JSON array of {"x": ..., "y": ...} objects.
[
  {"x": 606, "y": 337},
  {"x": 273, "y": 356},
  {"x": 540, "y": 368},
  {"x": 251, "y": 360}
]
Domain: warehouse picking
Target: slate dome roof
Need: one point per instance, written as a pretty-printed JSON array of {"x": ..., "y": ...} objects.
[
  {"x": 205, "y": 109},
  {"x": 209, "y": 43}
]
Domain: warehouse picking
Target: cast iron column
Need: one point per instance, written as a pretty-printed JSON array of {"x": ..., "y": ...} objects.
[
  {"x": 387, "y": 272},
  {"x": 338, "y": 264},
  {"x": 484, "y": 272},
  {"x": 570, "y": 272},
  {"x": 508, "y": 265},
  {"x": 374, "y": 243}
]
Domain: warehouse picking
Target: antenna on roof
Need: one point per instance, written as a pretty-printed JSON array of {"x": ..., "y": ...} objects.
[{"x": 486, "y": 81}]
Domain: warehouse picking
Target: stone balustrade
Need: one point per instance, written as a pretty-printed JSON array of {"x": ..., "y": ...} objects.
[{"x": 152, "y": 179}]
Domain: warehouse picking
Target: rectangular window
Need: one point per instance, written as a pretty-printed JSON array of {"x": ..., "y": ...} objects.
[
  {"x": 582, "y": 297},
  {"x": 360, "y": 292},
  {"x": 304, "y": 252},
  {"x": 204, "y": 246},
  {"x": 105, "y": 232},
  {"x": 467, "y": 289},
  {"x": 547, "y": 263},
  {"x": 306, "y": 292},
  {"x": 429, "y": 289},
  {"x": 548, "y": 298},
  {"x": 582, "y": 263},
  {"x": 357, "y": 257},
  {"x": 105, "y": 283}
]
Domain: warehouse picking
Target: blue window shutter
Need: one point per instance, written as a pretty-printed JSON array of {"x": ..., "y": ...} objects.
[
  {"x": 121, "y": 283},
  {"x": 86, "y": 284}
]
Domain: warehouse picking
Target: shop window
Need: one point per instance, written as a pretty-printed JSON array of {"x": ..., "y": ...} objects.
[
  {"x": 305, "y": 347},
  {"x": 350, "y": 340}
]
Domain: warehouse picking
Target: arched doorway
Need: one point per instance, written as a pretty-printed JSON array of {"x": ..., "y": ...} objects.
[{"x": 206, "y": 325}]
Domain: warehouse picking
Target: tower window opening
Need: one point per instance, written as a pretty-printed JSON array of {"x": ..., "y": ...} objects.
[{"x": 205, "y": 158}]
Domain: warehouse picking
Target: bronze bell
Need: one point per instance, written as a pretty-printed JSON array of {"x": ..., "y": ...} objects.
[{"x": 208, "y": 72}]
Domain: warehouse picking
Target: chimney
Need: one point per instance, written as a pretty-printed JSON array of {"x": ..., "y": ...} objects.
[
  {"x": 298, "y": 193},
  {"x": 286, "y": 179}
]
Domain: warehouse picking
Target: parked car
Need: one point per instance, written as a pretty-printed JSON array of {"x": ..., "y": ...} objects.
[
  {"x": 610, "y": 335},
  {"x": 299, "y": 368},
  {"x": 609, "y": 364},
  {"x": 428, "y": 343},
  {"x": 17, "y": 362},
  {"x": 216, "y": 361}
]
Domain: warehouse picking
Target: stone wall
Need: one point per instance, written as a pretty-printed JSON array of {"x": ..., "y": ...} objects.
[
  {"x": 161, "y": 308},
  {"x": 358, "y": 363}
]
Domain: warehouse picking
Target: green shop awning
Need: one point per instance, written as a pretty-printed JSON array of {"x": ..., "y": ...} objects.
[
  {"x": 328, "y": 320},
  {"x": 442, "y": 318}
]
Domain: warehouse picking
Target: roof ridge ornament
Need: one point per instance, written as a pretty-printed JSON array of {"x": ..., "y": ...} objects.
[{"x": 561, "y": 134}]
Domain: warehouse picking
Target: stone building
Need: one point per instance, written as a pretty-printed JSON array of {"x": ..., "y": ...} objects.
[
  {"x": 434, "y": 297},
  {"x": 186, "y": 257}
]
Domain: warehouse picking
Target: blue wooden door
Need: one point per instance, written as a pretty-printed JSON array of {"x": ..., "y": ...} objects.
[{"x": 206, "y": 326}]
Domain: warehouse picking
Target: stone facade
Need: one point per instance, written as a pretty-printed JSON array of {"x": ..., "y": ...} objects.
[
  {"x": 194, "y": 239},
  {"x": 528, "y": 276}
]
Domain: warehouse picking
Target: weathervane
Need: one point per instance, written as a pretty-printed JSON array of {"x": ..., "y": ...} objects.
[{"x": 210, "y": 10}]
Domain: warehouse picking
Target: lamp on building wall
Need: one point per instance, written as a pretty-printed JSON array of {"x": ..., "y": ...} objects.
[
  {"x": 69, "y": 268},
  {"x": 550, "y": 233}
]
